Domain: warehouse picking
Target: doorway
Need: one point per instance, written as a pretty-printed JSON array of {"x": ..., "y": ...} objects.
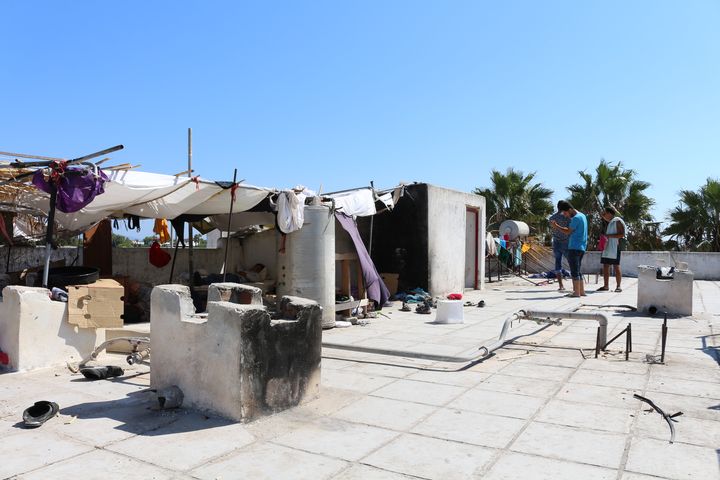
[{"x": 471, "y": 247}]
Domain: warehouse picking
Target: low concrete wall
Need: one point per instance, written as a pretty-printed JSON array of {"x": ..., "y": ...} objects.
[
  {"x": 35, "y": 333},
  {"x": 235, "y": 361},
  {"x": 134, "y": 262},
  {"x": 30, "y": 257},
  {"x": 704, "y": 265}
]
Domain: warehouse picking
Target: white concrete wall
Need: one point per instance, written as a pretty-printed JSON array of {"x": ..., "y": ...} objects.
[
  {"x": 134, "y": 263},
  {"x": 704, "y": 265},
  {"x": 261, "y": 248},
  {"x": 446, "y": 239},
  {"x": 35, "y": 333}
]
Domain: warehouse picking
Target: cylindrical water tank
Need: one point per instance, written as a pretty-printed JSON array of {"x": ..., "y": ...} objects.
[
  {"x": 513, "y": 229},
  {"x": 307, "y": 268}
]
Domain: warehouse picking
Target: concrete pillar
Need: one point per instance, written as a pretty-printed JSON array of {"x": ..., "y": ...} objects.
[{"x": 307, "y": 267}]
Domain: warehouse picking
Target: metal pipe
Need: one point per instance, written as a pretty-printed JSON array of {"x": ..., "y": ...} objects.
[{"x": 599, "y": 317}]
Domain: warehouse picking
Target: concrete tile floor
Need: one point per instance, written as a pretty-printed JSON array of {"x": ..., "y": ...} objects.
[{"x": 532, "y": 411}]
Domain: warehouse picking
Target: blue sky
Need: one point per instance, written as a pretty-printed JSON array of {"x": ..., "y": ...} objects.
[{"x": 339, "y": 93}]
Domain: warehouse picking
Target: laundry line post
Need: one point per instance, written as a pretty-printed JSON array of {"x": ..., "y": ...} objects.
[
  {"x": 49, "y": 232},
  {"x": 227, "y": 239},
  {"x": 191, "y": 266}
]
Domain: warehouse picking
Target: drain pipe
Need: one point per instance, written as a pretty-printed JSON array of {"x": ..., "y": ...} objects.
[{"x": 546, "y": 317}]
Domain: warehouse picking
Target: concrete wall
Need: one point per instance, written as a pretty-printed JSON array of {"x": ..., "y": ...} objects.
[
  {"x": 134, "y": 263},
  {"x": 261, "y": 248},
  {"x": 235, "y": 361},
  {"x": 446, "y": 238},
  {"x": 35, "y": 333},
  {"x": 29, "y": 257},
  {"x": 704, "y": 265}
]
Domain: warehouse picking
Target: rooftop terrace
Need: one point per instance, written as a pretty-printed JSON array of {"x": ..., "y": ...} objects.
[{"x": 540, "y": 408}]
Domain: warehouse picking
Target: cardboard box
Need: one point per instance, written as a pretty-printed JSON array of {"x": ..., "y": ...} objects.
[{"x": 97, "y": 305}]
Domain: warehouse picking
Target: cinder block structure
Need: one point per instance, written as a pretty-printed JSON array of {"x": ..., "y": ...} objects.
[
  {"x": 674, "y": 296},
  {"x": 236, "y": 360}
]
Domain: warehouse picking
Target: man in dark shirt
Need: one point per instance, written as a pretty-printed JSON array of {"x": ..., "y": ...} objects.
[{"x": 559, "y": 243}]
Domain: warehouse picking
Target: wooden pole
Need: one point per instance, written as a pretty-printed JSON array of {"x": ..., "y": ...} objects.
[
  {"x": 191, "y": 266},
  {"x": 227, "y": 240}
]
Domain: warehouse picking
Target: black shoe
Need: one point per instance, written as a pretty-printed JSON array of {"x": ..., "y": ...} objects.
[
  {"x": 101, "y": 373},
  {"x": 39, "y": 413}
]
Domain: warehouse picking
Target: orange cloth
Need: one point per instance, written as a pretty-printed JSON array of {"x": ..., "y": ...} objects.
[{"x": 161, "y": 228}]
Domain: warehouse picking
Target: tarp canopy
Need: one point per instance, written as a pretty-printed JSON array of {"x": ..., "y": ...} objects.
[{"x": 150, "y": 195}]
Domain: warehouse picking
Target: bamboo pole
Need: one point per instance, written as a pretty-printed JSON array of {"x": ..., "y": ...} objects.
[{"x": 191, "y": 266}]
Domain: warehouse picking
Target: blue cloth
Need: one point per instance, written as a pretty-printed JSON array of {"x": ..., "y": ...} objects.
[
  {"x": 575, "y": 260},
  {"x": 578, "y": 235}
]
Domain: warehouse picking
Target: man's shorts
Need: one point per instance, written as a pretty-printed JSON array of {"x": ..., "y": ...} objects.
[
  {"x": 575, "y": 260},
  {"x": 611, "y": 261}
]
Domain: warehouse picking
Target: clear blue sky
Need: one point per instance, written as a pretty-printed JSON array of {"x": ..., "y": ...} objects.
[{"x": 339, "y": 93}]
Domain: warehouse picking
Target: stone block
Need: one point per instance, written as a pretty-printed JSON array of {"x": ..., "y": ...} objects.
[
  {"x": 236, "y": 360},
  {"x": 234, "y": 293},
  {"x": 674, "y": 296}
]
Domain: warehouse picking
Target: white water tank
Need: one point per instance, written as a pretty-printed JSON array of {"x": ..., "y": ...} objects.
[
  {"x": 307, "y": 268},
  {"x": 514, "y": 229}
]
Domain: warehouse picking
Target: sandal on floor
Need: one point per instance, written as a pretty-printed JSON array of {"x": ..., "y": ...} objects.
[
  {"x": 618, "y": 290},
  {"x": 39, "y": 413},
  {"x": 561, "y": 289},
  {"x": 602, "y": 289},
  {"x": 572, "y": 295}
]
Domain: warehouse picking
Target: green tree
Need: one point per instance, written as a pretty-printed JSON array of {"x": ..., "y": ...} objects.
[
  {"x": 695, "y": 222},
  {"x": 514, "y": 196},
  {"x": 199, "y": 241},
  {"x": 618, "y": 187},
  {"x": 121, "y": 241},
  {"x": 147, "y": 241}
]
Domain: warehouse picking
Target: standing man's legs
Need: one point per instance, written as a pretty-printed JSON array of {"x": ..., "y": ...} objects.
[
  {"x": 582, "y": 281},
  {"x": 574, "y": 261},
  {"x": 559, "y": 250},
  {"x": 606, "y": 277}
]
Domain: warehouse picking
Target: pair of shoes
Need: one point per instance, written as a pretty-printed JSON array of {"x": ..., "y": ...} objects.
[
  {"x": 101, "y": 373},
  {"x": 618, "y": 290},
  {"x": 39, "y": 413}
]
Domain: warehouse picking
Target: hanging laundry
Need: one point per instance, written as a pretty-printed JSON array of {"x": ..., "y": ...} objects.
[
  {"x": 178, "y": 225},
  {"x": 162, "y": 230},
  {"x": 525, "y": 247},
  {"x": 490, "y": 245},
  {"x": 358, "y": 203},
  {"x": 374, "y": 285},
  {"x": 291, "y": 211},
  {"x": 76, "y": 186},
  {"x": 157, "y": 256}
]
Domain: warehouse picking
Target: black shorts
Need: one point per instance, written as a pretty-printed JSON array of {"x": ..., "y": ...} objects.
[{"x": 611, "y": 261}]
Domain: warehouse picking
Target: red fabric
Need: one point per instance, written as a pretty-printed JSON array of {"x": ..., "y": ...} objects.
[
  {"x": 4, "y": 359},
  {"x": 158, "y": 257},
  {"x": 455, "y": 296},
  {"x": 602, "y": 242}
]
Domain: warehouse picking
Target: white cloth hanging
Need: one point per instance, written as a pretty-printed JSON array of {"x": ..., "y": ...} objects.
[{"x": 291, "y": 211}]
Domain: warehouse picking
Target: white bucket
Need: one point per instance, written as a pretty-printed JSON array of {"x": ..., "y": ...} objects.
[{"x": 449, "y": 311}]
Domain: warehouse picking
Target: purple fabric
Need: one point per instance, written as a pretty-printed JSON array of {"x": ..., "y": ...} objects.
[
  {"x": 77, "y": 188},
  {"x": 375, "y": 287}
]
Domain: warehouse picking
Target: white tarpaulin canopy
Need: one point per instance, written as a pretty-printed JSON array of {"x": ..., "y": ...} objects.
[{"x": 151, "y": 195}]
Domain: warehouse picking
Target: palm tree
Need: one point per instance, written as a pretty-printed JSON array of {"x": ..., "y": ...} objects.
[
  {"x": 695, "y": 222},
  {"x": 514, "y": 196},
  {"x": 617, "y": 187}
]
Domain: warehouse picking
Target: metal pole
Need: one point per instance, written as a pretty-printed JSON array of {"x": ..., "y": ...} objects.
[
  {"x": 664, "y": 339},
  {"x": 227, "y": 240},
  {"x": 191, "y": 266},
  {"x": 49, "y": 232},
  {"x": 372, "y": 219}
]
